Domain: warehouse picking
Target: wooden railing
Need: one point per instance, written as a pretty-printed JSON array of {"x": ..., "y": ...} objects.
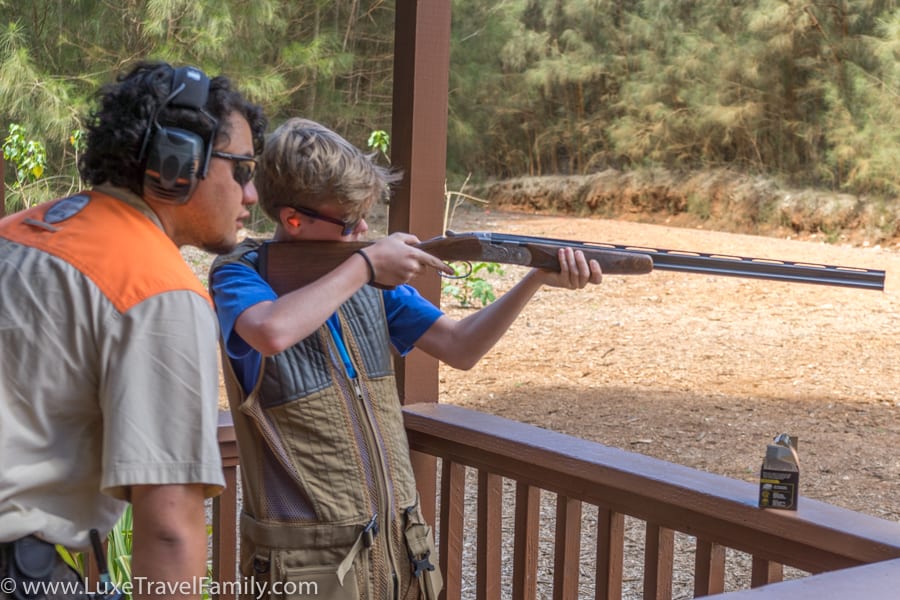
[
  {"x": 225, "y": 507},
  {"x": 721, "y": 513}
]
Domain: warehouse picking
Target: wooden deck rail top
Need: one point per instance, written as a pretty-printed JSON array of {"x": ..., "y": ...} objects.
[
  {"x": 817, "y": 537},
  {"x": 879, "y": 581}
]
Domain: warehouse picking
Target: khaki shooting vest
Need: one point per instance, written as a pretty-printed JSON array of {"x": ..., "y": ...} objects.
[{"x": 329, "y": 497}]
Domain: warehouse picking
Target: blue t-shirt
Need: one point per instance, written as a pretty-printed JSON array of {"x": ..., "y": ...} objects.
[{"x": 236, "y": 287}]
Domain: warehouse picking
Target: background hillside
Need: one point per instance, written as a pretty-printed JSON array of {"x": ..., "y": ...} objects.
[{"x": 718, "y": 199}]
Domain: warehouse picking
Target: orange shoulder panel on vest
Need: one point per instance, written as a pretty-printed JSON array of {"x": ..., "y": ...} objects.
[{"x": 121, "y": 250}]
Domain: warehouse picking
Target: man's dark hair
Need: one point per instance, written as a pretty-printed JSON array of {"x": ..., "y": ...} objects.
[{"x": 117, "y": 126}]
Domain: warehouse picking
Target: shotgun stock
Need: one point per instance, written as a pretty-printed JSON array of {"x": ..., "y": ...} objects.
[{"x": 290, "y": 265}]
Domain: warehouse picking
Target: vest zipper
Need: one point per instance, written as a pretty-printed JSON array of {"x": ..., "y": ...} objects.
[
  {"x": 381, "y": 477},
  {"x": 376, "y": 455}
]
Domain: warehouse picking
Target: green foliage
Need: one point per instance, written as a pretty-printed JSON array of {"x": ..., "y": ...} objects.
[
  {"x": 380, "y": 141},
  {"x": 29, "y": 156},
  {"x": 73, "y": 559},
  {"x": 803, "y": 91},
  {"x": 119, "y": 550},
  {"x": 789, "y": 88},
  {"x": 472, "y": 287},
  {"x": 118, "y": 554},
  {"x": 77, "y": 141},
  {"x": 330, "y": 61},
  {"x": 32, "y": 183}
]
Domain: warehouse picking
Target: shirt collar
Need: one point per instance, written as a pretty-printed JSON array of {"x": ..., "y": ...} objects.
[{"x": 131, "y": 199}]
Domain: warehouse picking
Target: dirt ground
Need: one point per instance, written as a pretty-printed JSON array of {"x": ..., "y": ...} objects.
[{"x": 701, "y": 370}]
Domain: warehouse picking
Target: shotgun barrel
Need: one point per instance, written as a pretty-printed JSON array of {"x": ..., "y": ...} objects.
[{"x": 717, "y": 264}]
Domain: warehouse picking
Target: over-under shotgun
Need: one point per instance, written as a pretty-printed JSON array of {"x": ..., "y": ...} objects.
[{"x": 290, "y": 265}]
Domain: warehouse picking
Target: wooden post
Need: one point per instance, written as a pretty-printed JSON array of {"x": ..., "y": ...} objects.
[
  {"x": 453, "y": 501},
  {"x": 225, "y": 516},
  {"x": 419, "y": 148},
  {"x": 526, "y": 540}
]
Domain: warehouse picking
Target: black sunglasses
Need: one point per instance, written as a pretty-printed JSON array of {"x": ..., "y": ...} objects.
[
  {"x": 347, "y": 227},
  {"x": 244, "y": 166}
]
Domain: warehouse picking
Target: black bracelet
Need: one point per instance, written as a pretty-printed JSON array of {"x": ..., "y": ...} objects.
[{"x": 368, "y": 264}]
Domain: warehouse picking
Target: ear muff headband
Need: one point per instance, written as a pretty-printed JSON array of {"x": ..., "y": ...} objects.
[{"x": 175, "y": 159}]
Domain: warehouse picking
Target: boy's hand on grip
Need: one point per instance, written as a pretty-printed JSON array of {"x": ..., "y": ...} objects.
[
  {"x": 396, "y": 260},
  {"x": 575, "y": 271}
]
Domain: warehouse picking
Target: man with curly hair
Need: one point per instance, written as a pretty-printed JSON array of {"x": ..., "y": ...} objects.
[{"x": 109, "y": 378}]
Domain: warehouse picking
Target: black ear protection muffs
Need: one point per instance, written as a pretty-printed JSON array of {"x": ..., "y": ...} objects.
[{"x": 176, "y": 159}]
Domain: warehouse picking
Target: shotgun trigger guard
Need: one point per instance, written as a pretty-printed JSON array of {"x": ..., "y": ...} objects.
[{"x": 463, "y": 275}]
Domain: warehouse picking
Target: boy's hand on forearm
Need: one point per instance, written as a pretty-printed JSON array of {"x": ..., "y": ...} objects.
[
  {"x": 396, "y": 260},
  {"x": 575, "y": 273}
]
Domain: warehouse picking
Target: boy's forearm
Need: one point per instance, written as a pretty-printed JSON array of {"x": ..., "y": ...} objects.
[
  {"x": 274, "y": 326},
  {"x": 462, "y": 344},
  {"x": 491, "y": 322},
  {"x": 475, "y": 335}
]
